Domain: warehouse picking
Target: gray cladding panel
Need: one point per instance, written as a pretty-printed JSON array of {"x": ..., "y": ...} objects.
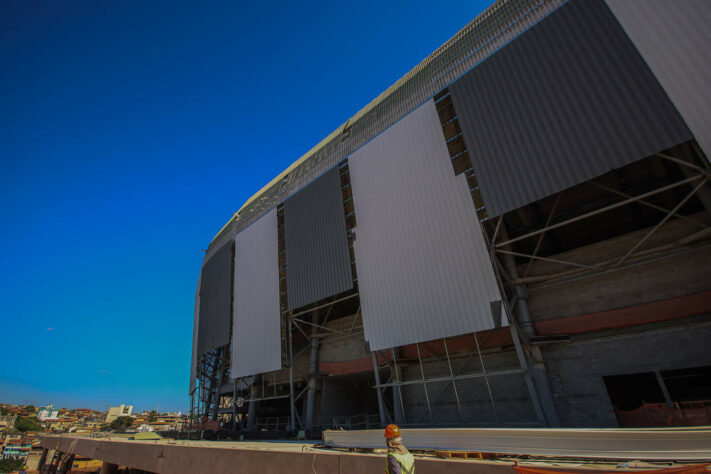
[
  {"x": 423, "y": 268},
  {"x": 317, "y": 260},
  {"x": 569, "y": 100},
  {"x": 214, "y": 301},
  {"x": 675, "y": 39},
  {"x": 256, "y": 333}
]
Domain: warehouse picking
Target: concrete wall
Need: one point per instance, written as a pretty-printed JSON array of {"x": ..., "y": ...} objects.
[
  {"x": 185, "y": 457},
  {"x": 576, "y": 369},
  {"x": 662, "y": 279}
]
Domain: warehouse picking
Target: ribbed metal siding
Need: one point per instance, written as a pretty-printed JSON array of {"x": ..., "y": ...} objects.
[
  {"x": 196, "y": 325},
  {"x": 317, "y": 260},
  {"x": 423, "y": 268},
  {"x": 214, "y": 319},
  {"x": 256, "y": 334},
  {"x": 567, "y": 101},
  {"x": 492, "y": 29},
  {"x": 675, "y": 39}
]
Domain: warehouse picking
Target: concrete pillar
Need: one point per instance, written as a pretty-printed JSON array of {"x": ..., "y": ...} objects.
[
  {"x": 108, "y": 468},
  {"x": 379, "y": 391},
  {"x": 252, "y": 410},
  {"x": 313, "y": 375},
  {"x": 65, "y": 465},
  {"x": 43, "y": 458}
]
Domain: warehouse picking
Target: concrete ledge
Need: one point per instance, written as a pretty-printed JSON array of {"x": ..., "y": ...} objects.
[{"x": 191, "y": 457}]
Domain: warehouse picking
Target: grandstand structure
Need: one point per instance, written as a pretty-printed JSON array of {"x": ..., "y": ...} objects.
[{"x": 516, "y": 233}]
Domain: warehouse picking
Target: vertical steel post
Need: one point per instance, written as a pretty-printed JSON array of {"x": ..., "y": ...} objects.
[
  {"x": 424, "y": 384},
  {"x": 486, "y": 379},
  {"x": 451, "y": 374},
  {"x": 398, "y": 404},
  {"x": 663, "y": 386}
]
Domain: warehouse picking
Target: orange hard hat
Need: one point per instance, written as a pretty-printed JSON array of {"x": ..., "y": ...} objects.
[{"x": 392, "y": 431}]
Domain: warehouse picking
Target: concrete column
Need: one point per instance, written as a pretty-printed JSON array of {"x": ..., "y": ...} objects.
[
  {"x": 43, "y": 458},
  {"x": 65, "y": 465},
  {"x": 381, "y": 405},
  {"x": 108, "y": 468},
  {"x": 252, "y": 411},
  {"x": 313, "y": 375}
]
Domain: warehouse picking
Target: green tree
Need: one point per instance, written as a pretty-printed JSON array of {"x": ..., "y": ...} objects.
[
  {"x": 28, "y": 423},
  {"x": 30, "y": 408},
  {"x": 152, "y": 416},
  {"x": 3, "y": 411},
  {"x": 9, "y": 465},
  {"x": 121, "y": 423}
]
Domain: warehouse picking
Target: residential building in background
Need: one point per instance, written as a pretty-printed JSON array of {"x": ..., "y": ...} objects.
[
  {"x": 16, "y": 447},
  {"x": 7, "y": 422},
  {"x": 115, "y": 412},
  {"x": 48, "y": 413}
]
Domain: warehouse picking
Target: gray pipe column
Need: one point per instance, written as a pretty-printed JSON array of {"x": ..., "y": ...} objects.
[{"x": 536, "y": 363}]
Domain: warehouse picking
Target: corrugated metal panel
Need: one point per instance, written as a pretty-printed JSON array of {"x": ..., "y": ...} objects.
[
  {"x": 317, "y": 260},
  {"x": 256, "y": 341},
  {"x": 675, "y": 40},
  {"x": 196, "y": 323},
  {"x": 423, "y": 268},
  {"x": 567, "y": 101},
  {"x": 482, "y": 37},
  {"x": 214, "y": 319}
]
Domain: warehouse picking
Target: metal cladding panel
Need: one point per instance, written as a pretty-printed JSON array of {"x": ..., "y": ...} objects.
[
  {"x": 569, "y": 100},
  {"x": 423, "y": 268},
  {"x": 214, "y": 317},
  {"x": 256, "y": 340},
  {"x": 196, "y": 323},
  {"x": 675, "y": 40},
  {"x": 318, "y": 264}
]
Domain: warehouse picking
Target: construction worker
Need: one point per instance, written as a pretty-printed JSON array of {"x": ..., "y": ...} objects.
[{"x": 400, "y": 461}]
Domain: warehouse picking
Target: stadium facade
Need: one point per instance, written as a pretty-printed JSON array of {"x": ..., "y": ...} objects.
[{"x": 516, "y": 233}]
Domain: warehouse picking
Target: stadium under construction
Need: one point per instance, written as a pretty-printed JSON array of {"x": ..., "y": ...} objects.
[{"x": 516, "y": 233}]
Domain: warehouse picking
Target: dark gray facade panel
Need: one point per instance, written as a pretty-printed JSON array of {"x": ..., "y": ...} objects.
[
  {"x": 317, "y": 259},
  {"x": 424, "y": 271},
  {"x": 214, "y": 301},
  {"x": 675, "y": 39},
  {"x": 569, "y": 100}
]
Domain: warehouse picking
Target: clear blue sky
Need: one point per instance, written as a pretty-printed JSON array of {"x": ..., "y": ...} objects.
[{"x": 130, "y": 131}]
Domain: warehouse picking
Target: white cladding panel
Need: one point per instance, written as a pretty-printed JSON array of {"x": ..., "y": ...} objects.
[
  {"x": 424, "y": 271},
  {"x": 675, "y": 39},
  {"x": 256, "y": 334}
]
